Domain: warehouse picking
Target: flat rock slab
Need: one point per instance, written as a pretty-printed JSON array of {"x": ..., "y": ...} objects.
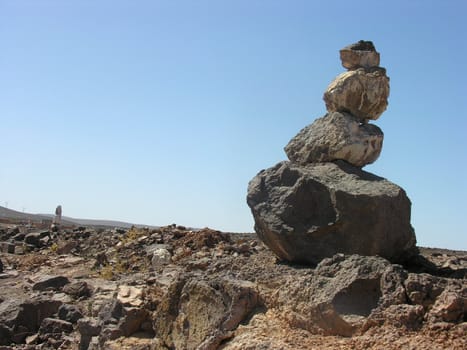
[
  {"x": 44, "y": 282},
  {"x": 307, "y": 213},
  {"x": 336, "y": 136}
]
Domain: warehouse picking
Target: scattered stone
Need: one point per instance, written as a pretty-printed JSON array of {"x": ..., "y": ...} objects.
[
  {"x": 132, "y": 320},
  {"x": 336, "y": 136},
  {"x": 409, "y": 317},
  {"x": 19, "y": 237},
  {"x": 35, "y": 238},
  {"x": 1, "y": 266},
  {"x": 150, "y": 249},
  {"x": 160, "y": 257},
  {"x": 198, "y": 309},
  {"x": 50, "y": 282},
  {"x": 53, "y": 325},
  {"x": 423, "y": 289},
  {"x": 69, "y": 313},
  {"x": 360, "y": 54},
  {"x": 33, "y": 339},
  {"x": 78, "y": 289},
  {"x": 101, "y": 260},
  {"x": 111, "y": 312},
  {"x": 21, "y": 249},
  {"x": 88, "y": 328},
  {"x": 362, "y": 92},
  {"x": 21, "y": 319},
  {"x": 65, "y": 247},
  {"x": 307, "y": 213},
  {"x": 228, "y": 291},
  {"x": 8, "y": 247},
  {"x": 450, "y": 306},
  {"x": 110, "y": 332},
  {"x": 5, "y": 334},
  {"x": 13, "y": 231},
  {"x": 130, "y": 296}
]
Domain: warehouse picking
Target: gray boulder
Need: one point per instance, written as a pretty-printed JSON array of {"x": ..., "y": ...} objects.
[
  {"x": 336, "y": 136},
  {"x": 305, "y": 213},
  {"x": 363, "y": 92}
]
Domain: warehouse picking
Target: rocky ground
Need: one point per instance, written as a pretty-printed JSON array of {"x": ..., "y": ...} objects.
[{"x": 174, "y": 288}]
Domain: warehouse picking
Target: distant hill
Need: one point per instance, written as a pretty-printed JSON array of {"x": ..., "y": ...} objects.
[
  {"x": 13, "y": 215},
  {"x": 10, "y": 214}
]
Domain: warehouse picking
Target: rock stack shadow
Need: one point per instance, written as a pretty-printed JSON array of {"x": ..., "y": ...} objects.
[{"x": 321, "y": 202}]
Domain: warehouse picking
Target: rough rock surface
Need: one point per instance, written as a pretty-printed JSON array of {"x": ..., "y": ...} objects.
[
  {"x": 79, "y": 289},
  {"x": 160, "y": 257},
  {"x": 206, "y": 311},
  {"x": 336, "y": 136},
  {"x": 69, "y": 313},
  {"x": 361, "y": 54},
  {"x": 50, "y": 282},
  {"x": 53, "y": 325},
  {"x": 362, "y": 92},
  {"x": 307, "y": 213},
  {"x": 225, "y": 291}
]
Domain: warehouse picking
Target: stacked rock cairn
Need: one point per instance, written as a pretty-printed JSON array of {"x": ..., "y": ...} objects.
[{"x": 320, "y": 202}]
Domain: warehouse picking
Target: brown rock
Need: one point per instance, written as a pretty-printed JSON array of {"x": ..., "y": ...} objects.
[
  {"x": 53, "y": 325},
  {"x": 78, "y": 289},
  {"x": 423, "y": 289},
  {"x": 132, "y": 320},
  {"x": 408, "y": 316},
  {"x": 340, "y": 294},
  {"x": 450, "y": 306},
  {"x": 362, "y": 92}
]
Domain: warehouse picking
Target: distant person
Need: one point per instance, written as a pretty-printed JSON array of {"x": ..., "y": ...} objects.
[{"x": 58, "y": 215}]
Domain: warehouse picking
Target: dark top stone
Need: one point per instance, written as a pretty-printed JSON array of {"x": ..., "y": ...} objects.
[{"x": 361, "y": 45}]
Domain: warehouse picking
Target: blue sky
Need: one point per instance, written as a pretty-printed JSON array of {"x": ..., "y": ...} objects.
[{"x": 160, "y": 112}]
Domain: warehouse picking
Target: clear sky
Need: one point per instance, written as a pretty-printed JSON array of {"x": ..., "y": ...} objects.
[{"x": 160, "y": 112}]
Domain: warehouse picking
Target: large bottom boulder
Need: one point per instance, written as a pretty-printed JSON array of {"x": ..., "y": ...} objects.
[{"x": 305, "y": 213}]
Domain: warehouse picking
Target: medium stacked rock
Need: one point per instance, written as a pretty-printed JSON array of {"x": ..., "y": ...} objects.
[
  {"x": 320, "y": 202},
  {"x": 336, "y": 136}
]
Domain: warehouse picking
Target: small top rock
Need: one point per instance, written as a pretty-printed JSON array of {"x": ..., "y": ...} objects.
[
  {"x": 360, "y": 54},
  {"x": 361, "y": 45}
]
